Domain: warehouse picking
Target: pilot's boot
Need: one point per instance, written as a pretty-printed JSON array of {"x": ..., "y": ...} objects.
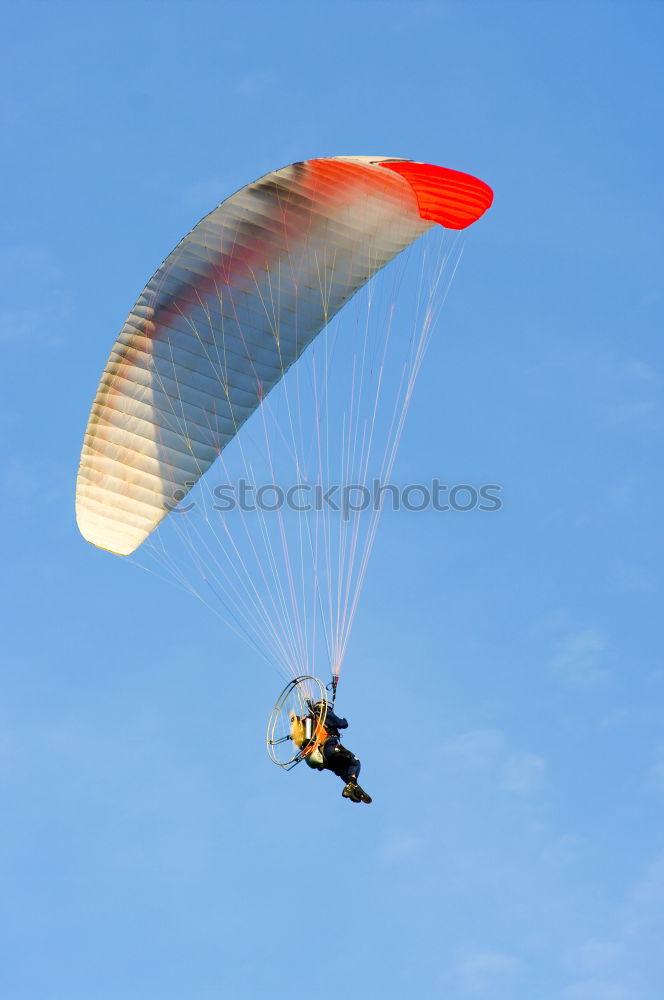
[
  {"x": 363, "y": 797},
  {"x": 351, "y": 791}
]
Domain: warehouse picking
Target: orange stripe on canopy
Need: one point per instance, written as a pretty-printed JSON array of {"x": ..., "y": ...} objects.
[{"x": 452, "y": 198}]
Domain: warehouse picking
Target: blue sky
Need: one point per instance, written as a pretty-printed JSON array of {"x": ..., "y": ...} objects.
[{"x": 504, "y": 685}]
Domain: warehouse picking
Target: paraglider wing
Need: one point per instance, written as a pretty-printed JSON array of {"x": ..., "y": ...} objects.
[{"x": 230, "y": 310}]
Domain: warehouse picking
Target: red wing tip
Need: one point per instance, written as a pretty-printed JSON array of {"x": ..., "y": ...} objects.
[{"x": 451, "y": 198}]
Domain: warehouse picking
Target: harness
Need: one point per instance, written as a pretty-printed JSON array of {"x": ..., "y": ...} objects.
[
  {"x": 311, "y": 735},
  {"x": 315, "y": 736}
]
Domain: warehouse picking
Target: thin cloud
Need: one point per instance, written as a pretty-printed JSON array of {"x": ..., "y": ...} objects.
[
  {"x": 613, "y": 968},
  {"x": 649, "y": 890},
  {"x": 594, "y": 957},
  {"x": 640, "y": 370},
  {"x": 254, "y": 84},
  {"x": 595, "y": 988},
  {"x": 400, "y": 844},
  {"x": 487, "y": 750},
  {"x": 485, "y": 972},
  {"x": 654, "y": 772},
  {"x": 476, "y": 748},
  {"x": 578, "y": 660},
  {"x": 602, "y": 970},
  {"x": 523, "y": 773},
  {"x": 637, "y": 411}
]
